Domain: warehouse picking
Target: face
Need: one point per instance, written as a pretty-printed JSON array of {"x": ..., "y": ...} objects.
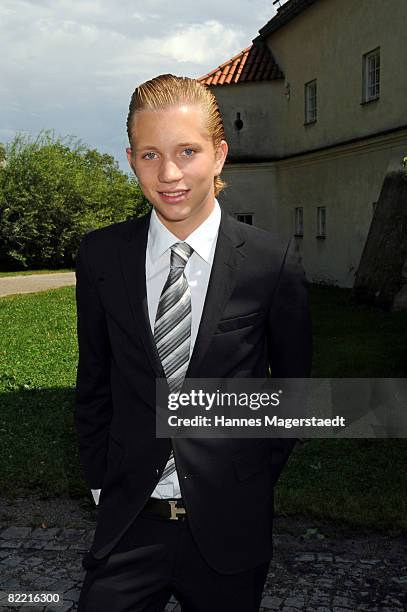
[{"x": 174, "y": 159}]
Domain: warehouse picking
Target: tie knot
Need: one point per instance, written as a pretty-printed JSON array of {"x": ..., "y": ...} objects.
[{"x": 180, "y": 253}]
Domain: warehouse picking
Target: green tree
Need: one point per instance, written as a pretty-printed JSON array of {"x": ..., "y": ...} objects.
[{"x": 53, "y": 191}]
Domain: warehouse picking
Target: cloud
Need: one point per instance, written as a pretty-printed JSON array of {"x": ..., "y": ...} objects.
[
  {"x": 200, "y": 43},
  {"x": 72, "y": 65}
]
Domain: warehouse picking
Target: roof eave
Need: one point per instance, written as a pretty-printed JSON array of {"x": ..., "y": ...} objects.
[{"x": 288, "y": 11}]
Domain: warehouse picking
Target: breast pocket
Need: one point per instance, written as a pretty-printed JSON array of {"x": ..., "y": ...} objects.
[{"x": 235, "y": 323}]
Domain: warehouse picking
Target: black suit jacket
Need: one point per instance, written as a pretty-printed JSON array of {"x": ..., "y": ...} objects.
[{"x": 255, "y": 314}]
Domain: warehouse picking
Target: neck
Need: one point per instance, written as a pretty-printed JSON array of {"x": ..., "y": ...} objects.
[{"x": 184, "y": 227}]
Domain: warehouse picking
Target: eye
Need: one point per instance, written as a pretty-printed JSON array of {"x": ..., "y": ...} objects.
[
  {"x": 189, "y": 152},
  {"x": 146, "y": 156}
]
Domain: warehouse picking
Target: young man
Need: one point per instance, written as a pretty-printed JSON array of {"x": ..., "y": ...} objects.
[{"x": 186, "y": 291}]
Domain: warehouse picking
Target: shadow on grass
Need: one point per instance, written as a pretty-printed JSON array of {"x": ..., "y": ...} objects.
[{"x": 38, "y": 446}]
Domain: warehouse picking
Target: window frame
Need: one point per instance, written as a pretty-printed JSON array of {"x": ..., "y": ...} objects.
[
  {"x": 299, "y": 221},
  {"x": 368, "y": 84},
  {"x": 321, "y": 222},
  {"x": 310, "y": 117}
]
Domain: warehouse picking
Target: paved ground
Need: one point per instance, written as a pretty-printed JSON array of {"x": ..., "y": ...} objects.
[
  {"x": 316, "y": 575},
  {"x": 10, "y": 285}
]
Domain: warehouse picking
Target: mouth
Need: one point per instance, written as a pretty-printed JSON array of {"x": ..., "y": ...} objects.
[{"x": 174, "y": 196}]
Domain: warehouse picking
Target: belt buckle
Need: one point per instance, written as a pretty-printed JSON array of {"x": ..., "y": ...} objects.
[{"x": 175, "y": 511}]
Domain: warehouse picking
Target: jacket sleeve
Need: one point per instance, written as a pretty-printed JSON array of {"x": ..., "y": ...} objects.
[
  {"x": 93, "y": 405},
  {"x": 289, "y": 338}
]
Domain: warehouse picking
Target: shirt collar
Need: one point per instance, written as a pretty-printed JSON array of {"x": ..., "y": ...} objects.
[{"x": 160, "y": 239}]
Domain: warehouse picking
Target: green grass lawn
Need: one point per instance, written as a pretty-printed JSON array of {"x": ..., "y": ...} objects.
[
  {"x": 357, "y": 482},
  {"x": 353, "y": 341},
  {"x": 30, "y": 272}
]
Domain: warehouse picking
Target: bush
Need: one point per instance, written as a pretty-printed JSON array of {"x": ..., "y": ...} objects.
[{"x": 53, "y": 191}]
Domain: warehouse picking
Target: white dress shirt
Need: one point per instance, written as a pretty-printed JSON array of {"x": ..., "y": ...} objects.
[{"x": 197, "y": 272}]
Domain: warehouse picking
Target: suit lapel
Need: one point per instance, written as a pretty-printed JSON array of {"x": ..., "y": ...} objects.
[
  {"x": 222, "y": 281},
  {"x": 133, "y": 265}
]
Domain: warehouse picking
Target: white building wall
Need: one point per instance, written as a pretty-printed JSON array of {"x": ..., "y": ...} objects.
[
  {"x": 327, "y": 42},
  {"x": 252, "y": 190},
  {"x": 256, "y": 103},
  {"x": 346, "y": 180}
]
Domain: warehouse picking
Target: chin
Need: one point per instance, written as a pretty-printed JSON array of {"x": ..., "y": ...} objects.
[
  {"x": 173, "y": 212},
  {"x": 174, "y": 215}
]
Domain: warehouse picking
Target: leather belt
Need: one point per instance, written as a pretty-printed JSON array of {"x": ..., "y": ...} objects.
[{"x": 172, "y": 509}]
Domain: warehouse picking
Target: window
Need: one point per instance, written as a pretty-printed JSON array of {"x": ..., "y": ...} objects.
[
  {"x": 371, "y": 75},
  {"x": 321, "y": 222},
  {"x": 245, "y": 218},
  {"x": 311, "y": 102},
  {"x": 299, "y": 221}
]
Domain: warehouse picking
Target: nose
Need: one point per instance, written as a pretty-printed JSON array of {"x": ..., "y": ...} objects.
[{"x": 169, "y": 172}]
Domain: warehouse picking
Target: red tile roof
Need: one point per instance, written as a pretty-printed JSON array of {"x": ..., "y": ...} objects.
[{"x": 255, "y": 63}]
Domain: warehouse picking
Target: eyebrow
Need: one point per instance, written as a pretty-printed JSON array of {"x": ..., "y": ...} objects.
[{"x": 181, "y": 144}]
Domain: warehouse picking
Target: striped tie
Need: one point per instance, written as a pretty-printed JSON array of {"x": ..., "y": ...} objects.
[{"x": 172, "y": 328}]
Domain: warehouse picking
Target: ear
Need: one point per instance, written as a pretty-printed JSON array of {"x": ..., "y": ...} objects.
[
  {"x": 129, "y": 154},
  {"x": 220, "y": 156}
]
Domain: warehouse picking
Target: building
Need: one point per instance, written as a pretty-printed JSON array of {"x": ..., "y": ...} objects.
[{"x": 315, "y": 114}]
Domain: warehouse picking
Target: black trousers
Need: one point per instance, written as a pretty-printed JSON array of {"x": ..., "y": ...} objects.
[{"x": 157, "y": 558}]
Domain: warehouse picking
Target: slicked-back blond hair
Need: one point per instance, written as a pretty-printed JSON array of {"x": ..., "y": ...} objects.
[{"x": 167, "y": 91}]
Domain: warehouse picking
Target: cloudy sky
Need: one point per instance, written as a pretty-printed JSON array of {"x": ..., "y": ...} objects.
[{"x": 71, "y": 65}]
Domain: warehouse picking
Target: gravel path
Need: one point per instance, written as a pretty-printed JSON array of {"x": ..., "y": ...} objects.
[
  {"x": 336, "y": 576},
  {"x": 317, "y": 567},
  {"x": 31, "y": 283}
]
